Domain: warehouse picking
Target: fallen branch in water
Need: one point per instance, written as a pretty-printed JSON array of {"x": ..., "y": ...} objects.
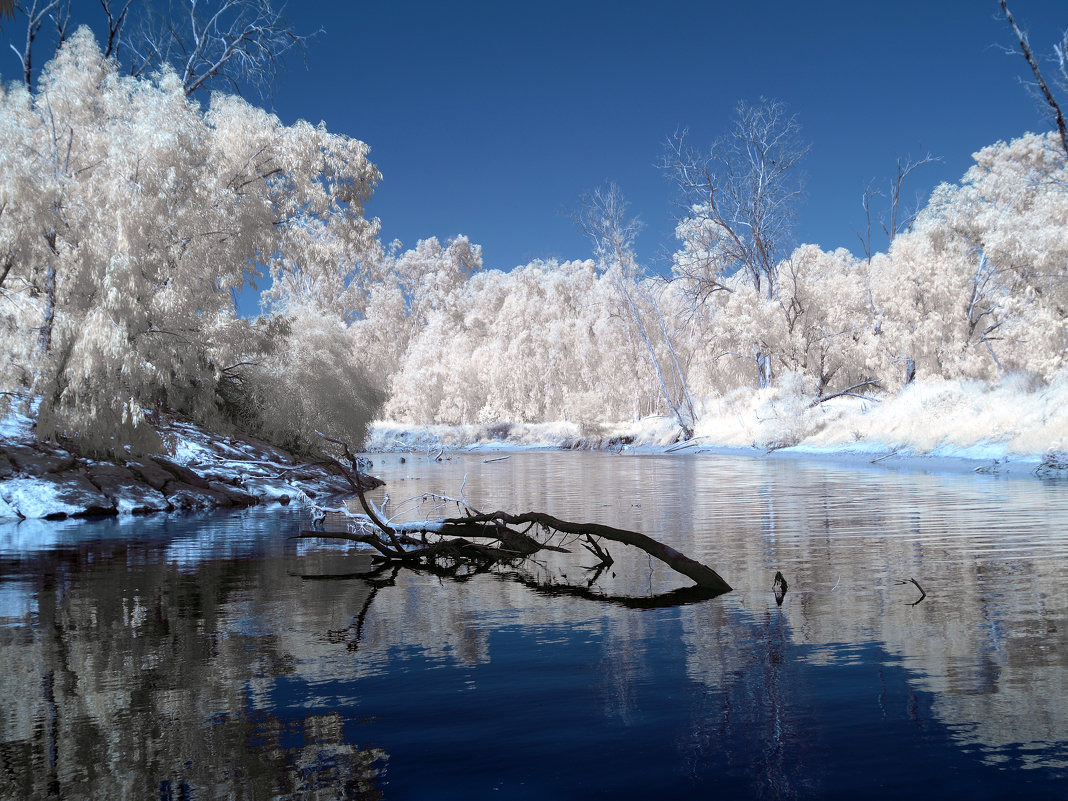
[
  {"x": 779, "y": 586},
  {"x": 923, "y": 594},
  {"x": 511, "y": 537}
]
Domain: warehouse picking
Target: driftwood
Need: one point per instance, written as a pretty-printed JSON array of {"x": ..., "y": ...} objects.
[
  {"x": 848, "y": 392},
  {"x": 482, "y": 539},
  {"x": 923, "y": 592},
  {"x": 779, "y": 586}
]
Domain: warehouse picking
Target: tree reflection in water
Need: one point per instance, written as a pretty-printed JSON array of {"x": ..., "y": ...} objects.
[
  {"x": 134, "y": 678},
  {"x": 188, "y": 656}
]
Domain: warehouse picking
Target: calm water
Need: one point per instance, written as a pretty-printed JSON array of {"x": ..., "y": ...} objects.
[{"x": 193, "y": 657}]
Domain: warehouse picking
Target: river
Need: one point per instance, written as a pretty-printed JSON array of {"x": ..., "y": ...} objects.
[{"x": 211, "y": 656}]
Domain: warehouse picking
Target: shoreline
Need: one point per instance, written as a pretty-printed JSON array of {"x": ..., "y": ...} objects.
[
  {"x": 202, "y": 470},
  {"x": 950, "y": 425},
  {"x": 199, "y": 471},
  {"x": 1014, "y": 465},
  {"x": 990, "y": 459}
]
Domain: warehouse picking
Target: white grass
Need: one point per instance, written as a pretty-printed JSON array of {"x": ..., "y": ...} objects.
[{"x": 935, "y": 418}]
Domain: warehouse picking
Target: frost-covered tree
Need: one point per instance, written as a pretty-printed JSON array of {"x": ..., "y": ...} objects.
[
  {"x": 410, "y": 288},
  {"x": 310, "y": 381},
  {"x": 543, "y": 342},
  {"x": 821, "y": 327},
  {"x": 130, "y": 215}
]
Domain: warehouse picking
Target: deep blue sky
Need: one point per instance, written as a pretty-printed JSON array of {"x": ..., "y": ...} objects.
[{"x": 487, "y": 117}]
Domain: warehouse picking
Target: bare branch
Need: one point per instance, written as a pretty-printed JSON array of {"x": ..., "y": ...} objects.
[
  {"x": 849, "y": 392},
  {"x": 115, "y": 25},
  {"x": 739, "y": 202},
  {"x": 239, "y": 42},
  {"x": 1029, "y": 56},
  {"x": 904, "y": 169},
  {"x": 36, "y": 15},
  {"x": 602, "y": 216}
]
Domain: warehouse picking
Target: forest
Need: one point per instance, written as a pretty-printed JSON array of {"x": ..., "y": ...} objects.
[{"x": 131, "y": 214}]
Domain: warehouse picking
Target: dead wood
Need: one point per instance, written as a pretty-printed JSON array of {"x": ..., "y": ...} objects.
[
  {"x": 923, "y": 593},
  {"x": 779, "y": 586},
  {"x": 848, "y": 392},
  {"x": 509, "y": 535},
  {"x": 594, "y": 547},
  {"x": 703, "y": 575}
]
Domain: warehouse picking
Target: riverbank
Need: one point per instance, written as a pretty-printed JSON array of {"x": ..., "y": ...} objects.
[
  {"x": 198, "y": 471},
  {"x": 933, "y": 425},
  {"x": 949, "y": 425}
]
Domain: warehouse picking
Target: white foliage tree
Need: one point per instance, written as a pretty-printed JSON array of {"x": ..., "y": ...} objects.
[
  {"x": 980, "y": 286},
  {"x": 130, "y": 216}
]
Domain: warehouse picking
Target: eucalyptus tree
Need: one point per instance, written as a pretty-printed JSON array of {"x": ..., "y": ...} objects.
[
  {"x": 602, "y": 216},
  {"x": 1061, "y": 52}
]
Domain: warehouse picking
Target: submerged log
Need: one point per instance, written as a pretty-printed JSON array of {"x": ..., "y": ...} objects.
[
  {"x": 703, "y": 575},
  {"x": 453, "y": 535}
]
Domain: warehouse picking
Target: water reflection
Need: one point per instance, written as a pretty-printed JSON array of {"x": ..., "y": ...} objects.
[
  {"x": 134, "y": 673},
  {"x": 194, "y": 657}
]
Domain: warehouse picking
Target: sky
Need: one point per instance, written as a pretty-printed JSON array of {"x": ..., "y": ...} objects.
[{"x": 490, "y": 118}]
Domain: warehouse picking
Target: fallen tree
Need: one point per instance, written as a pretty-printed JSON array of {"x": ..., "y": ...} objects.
[{"x": 480, "y": 540}]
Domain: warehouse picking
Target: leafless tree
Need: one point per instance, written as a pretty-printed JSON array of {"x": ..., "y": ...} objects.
[
  {"x": 116, "y": 18},
  {"x": 238, "y": 42},
  {"x": 602, "y": 216},
  {"x": 1043, "y": 87},
  {"x": 897, "y": 218},
  {"x": 241, "y": 43},
  {"x": 743, "y": 196},
  {"x": 37, "y": 13},
  {"x": 745, "y": 190}
]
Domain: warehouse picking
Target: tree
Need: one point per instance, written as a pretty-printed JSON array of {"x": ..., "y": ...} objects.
[
  {"x": 129, "y": 216},
  {"x": 1061, "y": 49},
  {"x": 739, "y": 203},
  {"x": 311, "y": 380},
  {"x": 451, "y": 547},
  {"x": 602, "y": 216},
  {"x": 239, "y": 43},
  {"x": 979, "y": 286},
  {"x": 236, "y": 42},
  {"x": 895, "y": 221}
]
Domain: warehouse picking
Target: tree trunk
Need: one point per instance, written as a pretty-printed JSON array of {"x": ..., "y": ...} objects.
[
  {"x": 763, "y": 362},
  {"x": 703, "y": 575},
  {"x": 455, "y": 534}
]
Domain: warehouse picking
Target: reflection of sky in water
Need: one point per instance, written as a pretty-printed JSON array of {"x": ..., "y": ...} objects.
[
  {"x": 18, "y": 601},
  {"x": 183, "y": 646}
]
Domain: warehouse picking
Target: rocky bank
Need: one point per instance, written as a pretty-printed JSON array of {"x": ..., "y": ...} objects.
[{"x": 198, "y": 471}]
